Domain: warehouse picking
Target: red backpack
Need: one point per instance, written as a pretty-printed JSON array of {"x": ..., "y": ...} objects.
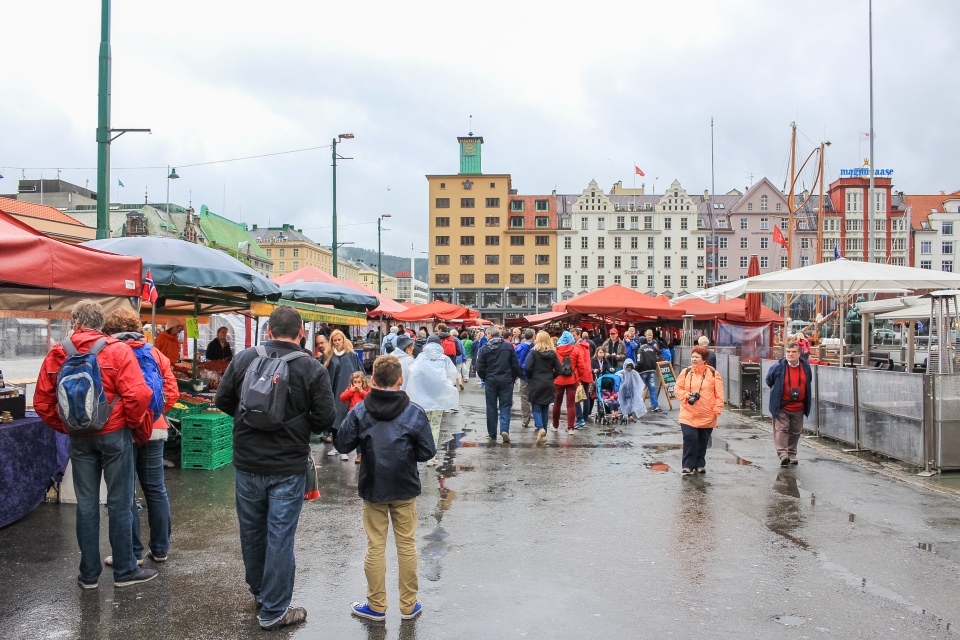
[{"x": 449, "y": 346}]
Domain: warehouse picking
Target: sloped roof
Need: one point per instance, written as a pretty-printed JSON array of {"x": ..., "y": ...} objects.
[
  {"x": 33, "y": 210},
  {"x": 274, "y": 234},
  {"x": 226, "y": 232},
  {"x": 920, "y": 206}
]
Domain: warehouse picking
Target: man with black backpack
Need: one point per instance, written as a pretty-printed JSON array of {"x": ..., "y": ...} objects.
[
  {"x": 106, "y": 402},
  {"x": 278, "y": 395},
  {"x": 647, "y": 367}
]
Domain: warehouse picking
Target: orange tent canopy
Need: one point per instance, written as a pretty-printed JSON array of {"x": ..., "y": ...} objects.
[
  {"x": 619, "y": 300},
  {"x": 733, "y": 309},
  {"x": 436, "y": 310}
]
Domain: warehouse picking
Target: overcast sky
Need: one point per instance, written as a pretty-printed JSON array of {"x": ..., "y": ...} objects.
[{"x": 562, "y": 93}]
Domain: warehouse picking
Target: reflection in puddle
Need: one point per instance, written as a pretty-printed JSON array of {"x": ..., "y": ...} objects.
[
  {"x": 726, "y": 447},
  {"x": 784, "y": 516},
  {"x": 790, "y": 621}
]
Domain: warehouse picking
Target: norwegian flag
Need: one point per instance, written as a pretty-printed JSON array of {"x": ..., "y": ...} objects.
[{"x": 149, "y": 290}]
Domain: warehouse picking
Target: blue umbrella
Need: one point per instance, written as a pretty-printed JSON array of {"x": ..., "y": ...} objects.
[{"x": 341, "y": 297}]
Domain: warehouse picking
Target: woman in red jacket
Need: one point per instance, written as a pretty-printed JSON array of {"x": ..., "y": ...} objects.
[
  {"x": 566, "y": 385},
  {"x": 585, "y": 407},
  {"x": 124, "y": 325}
]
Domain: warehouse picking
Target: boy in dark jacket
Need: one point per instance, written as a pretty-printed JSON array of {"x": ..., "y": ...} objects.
[{"x": 395, "y": 435}]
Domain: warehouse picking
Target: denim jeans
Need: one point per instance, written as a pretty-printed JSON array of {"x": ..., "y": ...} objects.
[
  {"x": 695, "y": 446},
  {"x": 585, "y": 407},
  {"x": 149, "y": 466},
  {"x": 268, "y": 508},
  {"x": 111, "y": 455},
  {"x": 502, "y": 395},
  {"x": 541, "y": 415},
  {"x": 650, "y": 380}
]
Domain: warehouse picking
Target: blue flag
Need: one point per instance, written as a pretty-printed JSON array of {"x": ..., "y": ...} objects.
[
  {"x": 836, "y": 252},
  {"x": 121, "y": 184}
]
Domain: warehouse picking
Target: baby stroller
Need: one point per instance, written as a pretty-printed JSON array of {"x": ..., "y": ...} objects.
[{"x": 608, "y": 409}]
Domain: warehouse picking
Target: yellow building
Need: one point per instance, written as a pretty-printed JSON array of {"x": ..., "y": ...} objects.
[
  {"x": 291, "y": 250},
  {"x": 490, "y": 248},
  {"x": 368, "y": 278}
]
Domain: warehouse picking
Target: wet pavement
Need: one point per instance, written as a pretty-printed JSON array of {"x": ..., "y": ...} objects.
[{"x": 594, "y": 535}]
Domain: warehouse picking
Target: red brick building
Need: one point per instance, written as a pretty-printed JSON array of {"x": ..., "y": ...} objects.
[{"x": 847, "y": 226}]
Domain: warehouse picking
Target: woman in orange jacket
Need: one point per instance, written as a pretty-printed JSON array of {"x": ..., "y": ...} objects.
[{"x": 699, "y": 389}]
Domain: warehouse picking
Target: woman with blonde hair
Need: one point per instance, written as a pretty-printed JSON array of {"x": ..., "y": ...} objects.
[
  {"x": 541, "y": 368},
  {"x": 341, "y": 362}
]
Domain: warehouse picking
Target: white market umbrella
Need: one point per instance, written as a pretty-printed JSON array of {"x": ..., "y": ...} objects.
[{"x": 840, "y": 279}]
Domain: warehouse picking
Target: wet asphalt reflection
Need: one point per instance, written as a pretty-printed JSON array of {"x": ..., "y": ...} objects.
[{"x": 590, "y": 535}]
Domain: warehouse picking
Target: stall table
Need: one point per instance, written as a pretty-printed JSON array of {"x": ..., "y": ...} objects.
[{"x": 32, "y": 457}]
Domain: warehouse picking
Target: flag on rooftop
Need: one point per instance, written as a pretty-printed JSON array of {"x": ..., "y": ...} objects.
[
  {"x": 637, "y": 169},
  {"x": 120, "y": 183}
]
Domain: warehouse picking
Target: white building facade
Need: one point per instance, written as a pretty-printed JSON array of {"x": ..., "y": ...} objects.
[{"x": 650, "y": 243}]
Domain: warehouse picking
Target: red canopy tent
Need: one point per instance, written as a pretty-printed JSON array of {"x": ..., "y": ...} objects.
[
  {"x": 732, "y": 310},
  {"x": 619, "y": 300},
  {"x": 40, "y": 274},
  {"x": 436, "y": 310}
]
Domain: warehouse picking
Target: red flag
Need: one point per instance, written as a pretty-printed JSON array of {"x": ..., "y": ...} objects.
[
  {"x": 778, "y": 236},
  {"x": 149, "y": 290},
  {"x": 637, "y": 169}
]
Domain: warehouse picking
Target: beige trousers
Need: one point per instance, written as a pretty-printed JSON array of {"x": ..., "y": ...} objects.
[{"x": 377, "y": 517}]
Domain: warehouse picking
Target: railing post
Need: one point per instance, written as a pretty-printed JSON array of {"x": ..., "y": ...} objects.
[
  {"x": 930, "y": 421},
  {"x": 856, "y": 413}
]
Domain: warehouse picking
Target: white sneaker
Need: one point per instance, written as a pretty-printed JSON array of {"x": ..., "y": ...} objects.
[
  {"x": 344, "y": 456},
  {"x": 432, "y": 462},
  {"x": 332, "y": 452},
  {"x": 109, "y": 561}
]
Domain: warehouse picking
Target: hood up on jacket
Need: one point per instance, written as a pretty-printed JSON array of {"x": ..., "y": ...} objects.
[
  {"x": 386, "y": 405},
  {"x": 565, "y": 338},
  {"x": 494, "y": 343}
]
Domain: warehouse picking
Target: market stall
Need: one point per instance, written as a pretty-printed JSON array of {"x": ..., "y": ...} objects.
[{"x": 41, "y": 279}]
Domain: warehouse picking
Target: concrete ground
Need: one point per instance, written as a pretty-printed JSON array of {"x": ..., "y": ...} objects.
[{"x": 594, "y": 535}]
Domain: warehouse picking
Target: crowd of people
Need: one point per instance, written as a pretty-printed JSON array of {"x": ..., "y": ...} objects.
[{"x": 108, "y": 388}]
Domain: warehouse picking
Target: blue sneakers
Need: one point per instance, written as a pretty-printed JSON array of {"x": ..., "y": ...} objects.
[
  {"x": 363, "y": 610},
  {"x": 417, "y": 610}
]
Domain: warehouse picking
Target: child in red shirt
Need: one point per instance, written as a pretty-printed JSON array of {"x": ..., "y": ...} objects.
[{"x": 357, "y": 391}]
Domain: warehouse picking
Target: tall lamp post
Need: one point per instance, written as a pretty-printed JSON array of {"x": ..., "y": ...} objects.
[
  {"x": 340, "y": 138},
  {"x": 380, "y": 254},
  {"x": 171, "y": 175},
  {"x": 104, "y": 137}
]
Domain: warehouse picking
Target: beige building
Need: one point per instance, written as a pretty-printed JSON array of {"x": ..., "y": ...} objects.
[
  {"x": 490, "y": 249},
  {"x": 48, "y": 220},
  {"x": 291, "y": 250},
  {"x": 368, "y": 278}
]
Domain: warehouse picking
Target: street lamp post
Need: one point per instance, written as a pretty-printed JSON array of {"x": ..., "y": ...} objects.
[
  {"x": 380, "y": 255},
  {"x": 340, "y": 138},
  {"x": 171, "y": 175}
]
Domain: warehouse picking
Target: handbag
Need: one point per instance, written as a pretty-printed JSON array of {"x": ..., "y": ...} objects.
[
  {"x": 465, "y": 371},
  {"x": 581, "y": 394}
]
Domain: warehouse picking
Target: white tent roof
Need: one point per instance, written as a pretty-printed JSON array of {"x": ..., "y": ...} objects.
[{"x": 840, "y": 278}]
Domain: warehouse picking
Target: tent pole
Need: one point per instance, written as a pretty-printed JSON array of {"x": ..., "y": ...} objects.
[
  {"x": 843, "y": 326},
  {"x": 196, "y": 356},
  {"x": 153, "y": 323},
  {"x": 911, "y": 355}
]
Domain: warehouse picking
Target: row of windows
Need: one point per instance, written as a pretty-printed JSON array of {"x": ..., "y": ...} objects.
[
  {"x": 618, "y": 262},
  {"x": 925, "y": 247},
  {"x": 443, "y": 185},
  {"x": 493, "y": 259},
  {"x": 492, "y": 203},
  {"x": 282, "y": 253},
  {"x": 946, "y": 265},
  {"x": 490, "y": 278},
  {"x": 516, "y": 222},
  {"x": 621, "y": 223},
  {"x": 493, "y": 241},
  {"x": 634, "y": 281}
]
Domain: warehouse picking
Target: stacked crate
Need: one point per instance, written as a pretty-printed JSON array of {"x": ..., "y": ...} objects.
[{"x": 207, "y": 441}]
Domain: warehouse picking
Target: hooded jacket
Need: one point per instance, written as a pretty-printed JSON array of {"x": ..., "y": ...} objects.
[
  {"x": 171, "y": 392},
  {"x": 523, "y": 350},
  {"x": 581, "y": 367},
  {"x": 541, "y": 369},
  {"x": 120, "y": 374},
  {"x": 394, "y": 435},
  {"x": 631, "y": 390},
  {"x": 586, "y": 355},
  {"x": 497, "y": 363},
  {"x": 282, "y": 452},
  {"x": 707, "y": 382}
]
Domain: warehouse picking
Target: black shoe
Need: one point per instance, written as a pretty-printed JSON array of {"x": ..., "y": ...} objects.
[
  {"x": 293, "y": 615},
  {"x": 784, "y": 461},
  {"x": 141, "y": 576}
]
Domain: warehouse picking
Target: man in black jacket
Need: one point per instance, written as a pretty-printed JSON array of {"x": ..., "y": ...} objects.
[
  {"x": 395, "y": 435},
  {"x": 499, "y": 368},
  {"x": 271, "y": 467}
]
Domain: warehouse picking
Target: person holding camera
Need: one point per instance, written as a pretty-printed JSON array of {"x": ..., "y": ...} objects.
[
  {"x": 699, "y": 389},
  {"x": 789, "y": 382}
]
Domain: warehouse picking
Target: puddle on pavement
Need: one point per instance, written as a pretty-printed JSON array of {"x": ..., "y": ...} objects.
[
  {"x": 868, "y": 587},
  {"x": 790, "y": 621},
  {"x": 659, "y": 466}
]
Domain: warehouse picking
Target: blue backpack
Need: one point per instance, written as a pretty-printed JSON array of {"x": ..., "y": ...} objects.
[
  {"x": 81, "y": 402},
  {"x": 153, "y": 377}
]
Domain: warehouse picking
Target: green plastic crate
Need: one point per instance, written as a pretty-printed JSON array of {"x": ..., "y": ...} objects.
[
  {"x": 213, "y": 423},
  {"x": 194, "y": 443},
  {"x": 206, "y": 461},
  {"x": 180, "y": 414},
  {"x": 211, "y": 432}
]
